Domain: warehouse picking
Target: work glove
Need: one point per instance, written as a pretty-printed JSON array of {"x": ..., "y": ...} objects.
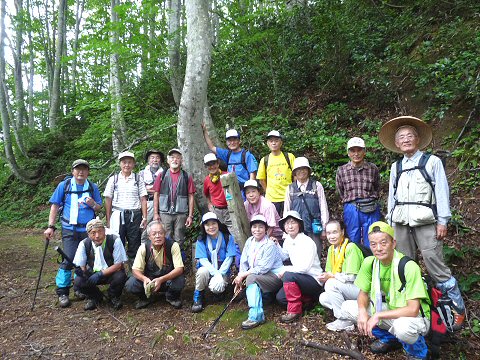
[
  {"x": 95, "y": 278},
  {"x": 79, "y": 272},
  {"x": 149, "y": 288},
  {"x": 217, "y": 284}
]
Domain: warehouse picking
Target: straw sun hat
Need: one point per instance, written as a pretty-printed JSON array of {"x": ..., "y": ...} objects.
[{"x": 388, "y": 130}]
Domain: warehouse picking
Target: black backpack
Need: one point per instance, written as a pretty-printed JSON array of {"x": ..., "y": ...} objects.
[
  {"x": 243, "y": 160},
  {"x": 365, "y": 250},
  {"x": 285, "y": 154},
  {"x": 115, "y": 184}
]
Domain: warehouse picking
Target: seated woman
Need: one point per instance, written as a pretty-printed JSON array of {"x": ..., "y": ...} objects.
[
  {"x": 300, "y": 284},
  {"x": 259, "y": 264},
  {"x": 257, "y": 204},
  {"x": 344, "y": 260},
  {"x": 214, "y": 251}
]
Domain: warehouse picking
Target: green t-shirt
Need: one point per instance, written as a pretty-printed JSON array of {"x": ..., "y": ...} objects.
[
  {"x": 353, "y": 259},
  {"x": 278, "y": 176},
  {"x": 415, "y": 287}
]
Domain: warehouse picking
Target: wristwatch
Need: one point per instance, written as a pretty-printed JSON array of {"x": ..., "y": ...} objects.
[{"x": 52, "y": 227}]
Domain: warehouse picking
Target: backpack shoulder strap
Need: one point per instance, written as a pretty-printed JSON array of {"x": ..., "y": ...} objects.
[
  {"x": 287, "y": 158},
  {"x": 265, "y": 161},
  {"x": 397, "y": 175},
  {"x": 244, "y": 159},
  {"x": 401, "y": 271},
  {"x": 88, "y": 246},
  {"x": 229, "y": 153},
  {"x": 422, "y": 168},
  {"x": 148, "y": 245}
]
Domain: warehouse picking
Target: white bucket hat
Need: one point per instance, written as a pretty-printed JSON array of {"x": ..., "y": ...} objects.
[
  {"x": 291, "y": 214},
  {"x": 301, "y": 162}
]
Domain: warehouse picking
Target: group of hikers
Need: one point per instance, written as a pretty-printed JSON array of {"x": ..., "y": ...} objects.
[{"x": 382, "y": 294}]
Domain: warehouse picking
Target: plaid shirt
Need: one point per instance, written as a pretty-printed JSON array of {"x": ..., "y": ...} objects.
[{"x": 358, "y": 183}]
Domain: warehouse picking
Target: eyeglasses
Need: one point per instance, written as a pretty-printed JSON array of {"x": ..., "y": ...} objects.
[{"x": 406, "y": 137}]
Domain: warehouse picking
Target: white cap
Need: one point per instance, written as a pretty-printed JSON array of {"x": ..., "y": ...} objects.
[
  {"x": 274, "y": 133},
  {"x": 209, "y": 216},
  {"x": 232, "y": 133},
  {"x": 209, "y": 158},
  {"x": 355, "y": 142},
  {"x": 125, "y": 154},
  {"x": 301, "y": 162},
  {"x": 174, "y": 150},
  {"x": 251, "y": 183},
  {"x": 258, "y": 218}
]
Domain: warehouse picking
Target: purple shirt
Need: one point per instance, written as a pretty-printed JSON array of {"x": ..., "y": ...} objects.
[{"x": 266, "y": 208}]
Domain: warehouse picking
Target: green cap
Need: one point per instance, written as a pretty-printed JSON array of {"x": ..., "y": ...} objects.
[{"x": 380, "y": 226}]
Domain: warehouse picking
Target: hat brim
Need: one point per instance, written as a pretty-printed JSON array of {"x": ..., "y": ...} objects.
[
  {"x": 388, "y": 130},
  {"x": 281, "y": 223},
  {"x": 253, "y": 222},
  {"x": 162, "y": 156}
]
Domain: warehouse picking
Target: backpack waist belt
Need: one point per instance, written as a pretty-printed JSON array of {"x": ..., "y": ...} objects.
[{"x": 128, "y": 212}]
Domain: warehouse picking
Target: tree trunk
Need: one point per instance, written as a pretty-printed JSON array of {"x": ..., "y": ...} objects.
[
  {"x": 78, "y": 20},
  {"x": 194, "y": 95},
  {"x": 54, "y": 113},
  {"x": 31, "y": 70},
  {"x": 175, "y": 76},
  {"x": 215, "y": 22},
  {"x": 7, "y": 142},
  {"x": 118, "y": 121}
]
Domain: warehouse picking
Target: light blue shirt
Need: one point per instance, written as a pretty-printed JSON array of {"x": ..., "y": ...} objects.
[
  {"x": 439, "y": 180},
  {"x": 265, "y": 258}
]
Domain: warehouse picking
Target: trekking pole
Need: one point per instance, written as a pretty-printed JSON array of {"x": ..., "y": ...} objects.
[
  {"x": 210, "y": 329},
  {"x": 47, "y": 241}
]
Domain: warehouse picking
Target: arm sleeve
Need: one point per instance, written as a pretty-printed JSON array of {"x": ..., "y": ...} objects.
[
  {"x": 286, "y": 202},
  {"x": 226, "y": 265},
  {"x": 57, "y": 196},
  {"x": 243, "y": 258},
  {"x": 191, "y": 185},
  {"x": 222, "y": 153},
  {"x": 206, "y": 191},
  {"x": 308, "y": 256},
  {"x": 261, "y": 173},
  {"x": 208, "y": 265},
  {"x": 265, "y": 263},
  {"x": 109, "y": 188},
  {"x": 252, "y": 164},
  {"x": 80, "y": 258},
  {"x": 158, "y": 182},
  {"x": 96, "y": 195},
  {"x": 142, "y": 190},
  {"x": 442, "y": 192},
  {"x": 339, "y": 184},
  {"x": 119, "y": 254},
  {"x": 391, "y": 198},
  {"x": 323, "y": 204}
]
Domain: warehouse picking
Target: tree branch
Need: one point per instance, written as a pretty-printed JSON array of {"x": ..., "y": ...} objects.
[{"x": 333, "y": 349}]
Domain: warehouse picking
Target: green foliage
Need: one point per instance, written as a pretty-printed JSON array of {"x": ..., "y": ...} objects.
[{"x": 467, "y": 155}]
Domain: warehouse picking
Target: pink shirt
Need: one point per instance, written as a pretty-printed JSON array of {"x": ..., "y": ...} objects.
[{"x": 266, "y": 208}]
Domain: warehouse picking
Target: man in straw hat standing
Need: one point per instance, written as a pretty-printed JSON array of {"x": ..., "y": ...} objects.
[{"x": 418, "y": 202}]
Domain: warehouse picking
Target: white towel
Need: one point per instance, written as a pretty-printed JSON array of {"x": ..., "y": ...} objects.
[{"x": 99, "y": 263}]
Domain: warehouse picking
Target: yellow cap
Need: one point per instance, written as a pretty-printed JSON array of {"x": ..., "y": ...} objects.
[{"x": 380, "y": 226}]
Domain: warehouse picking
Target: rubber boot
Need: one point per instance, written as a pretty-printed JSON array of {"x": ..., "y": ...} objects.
[{"x": 198, "y": 301}]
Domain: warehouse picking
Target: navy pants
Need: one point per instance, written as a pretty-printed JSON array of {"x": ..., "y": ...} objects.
[
  {"x": 116, "y": 281},
  {"x": 357, "y": 223},
  {"x": 70, "y": 241}
]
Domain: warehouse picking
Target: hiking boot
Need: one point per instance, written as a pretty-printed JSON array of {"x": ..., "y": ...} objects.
[
  {"x": 79, "y": 295},
  {"x": 176, "y": 303},
  {"x": 63, "y": 301},
  {"x": 142, "y": 304},
  {"x": 91, "y": 304},
  {"x": 378, "y": 347},
  {"x": 116, "y": 303},
  {"x": 411, "y": 357},
  {"x": 289, "y": 318},
  {"x": 197, "y": 307},
  {"x": 250, "y": 324},
  {"x": 458, "y": 321},
  {"x": 340, "y": 325}
]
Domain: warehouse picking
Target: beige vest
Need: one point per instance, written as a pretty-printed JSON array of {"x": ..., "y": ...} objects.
[{"x": 413, "y": 188}]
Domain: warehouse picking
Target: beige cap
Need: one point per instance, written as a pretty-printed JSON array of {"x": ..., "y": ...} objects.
[
  {"x": 125, "y": 154},
  {"x": 355, "y": 142}
]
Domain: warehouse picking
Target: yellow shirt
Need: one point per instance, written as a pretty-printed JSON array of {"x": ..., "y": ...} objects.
[
  {"x": 278, "y": 176},
  {"x": 139, "y": 263}
]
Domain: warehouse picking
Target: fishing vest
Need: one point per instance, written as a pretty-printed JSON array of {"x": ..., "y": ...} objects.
[
  {"x": 305, "y": 203},
  {"x": 415, "y": 203},
  {"x": 179, "y": 203},
  {"x": 151, "y": 268}
]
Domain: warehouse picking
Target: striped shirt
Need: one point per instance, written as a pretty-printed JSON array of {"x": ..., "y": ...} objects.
[
  {"x": 127, "y": 193},
  {"x": 358, "y": 183}
]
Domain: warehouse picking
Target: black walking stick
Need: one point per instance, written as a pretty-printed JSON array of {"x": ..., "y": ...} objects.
[
  {"x": 47, "y": 241},
  {"x": 210, "y": 329}
]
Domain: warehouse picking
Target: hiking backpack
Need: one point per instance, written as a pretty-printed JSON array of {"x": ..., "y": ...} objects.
[
  {"x": 285, "y": 154},
  {"x": 115, "y": 184},
  {"x": 243, "y": 160},
  {"x": 67, "y": 189}
]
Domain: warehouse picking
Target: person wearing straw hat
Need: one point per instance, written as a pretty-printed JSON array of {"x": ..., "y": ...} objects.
[
  {"x": 259, "y": 264},
  {"x": 275, "y": 170},
  {"x": 395, "y": 318},
  {"x": 239, "y": 161},
  {"x": 101, "y": 256},
  {"x": 419, "y": 204},
  {"x": 358, "y": 184},
  {"x": 174, "y": 201},
  {"x": 126, "y": 204},
  {"x": 213, "y": 190},
  {"x": 301, "y": 284},
  {"x": 257, "y": 204},
  {"x": 306, "y": 195},
  {"x": 214, "y": 251},
  {"x": 76, "y": 199}
]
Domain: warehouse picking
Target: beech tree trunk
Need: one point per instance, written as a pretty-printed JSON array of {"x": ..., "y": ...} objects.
[
  {"x": 54, "y": 113},
  {"x": 118, "y": 121},
  {"x": 194, "y": 94},
  {"x": 175, "y": 76},
  {"x": 7, "y": 142}
]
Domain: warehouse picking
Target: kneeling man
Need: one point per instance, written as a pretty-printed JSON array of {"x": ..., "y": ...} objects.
[
  {"x": 158, "y": 266},
  {"x": 101, "y": 258},
  {"x": 402, "y": 318}
]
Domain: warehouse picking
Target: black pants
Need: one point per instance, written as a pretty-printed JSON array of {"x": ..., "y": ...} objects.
[
  {"x": 131, "y": 233},
  {"x": 173, "y": 288},
  {"x": 116, "y": 281}
]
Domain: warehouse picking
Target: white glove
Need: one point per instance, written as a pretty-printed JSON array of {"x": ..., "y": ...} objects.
[{"x": 217, "y": 284}]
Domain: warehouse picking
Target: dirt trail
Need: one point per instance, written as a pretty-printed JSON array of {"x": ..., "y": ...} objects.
[{"x": 158, "y": 332}]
